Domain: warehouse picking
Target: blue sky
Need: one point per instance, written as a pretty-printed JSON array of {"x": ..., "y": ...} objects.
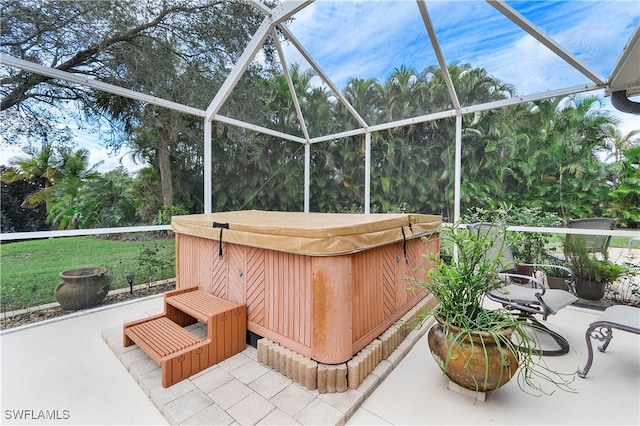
[{"x": 368, "y": 39}]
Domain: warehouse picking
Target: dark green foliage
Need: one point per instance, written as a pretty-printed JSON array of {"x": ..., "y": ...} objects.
[
  {"x": 585, "y": 265},
  {"x": 166, "y": 212},
  {"x": 624, "y": 198},
  {"x": 154, "y": 261},
  {"x": 16, "y": 218}
]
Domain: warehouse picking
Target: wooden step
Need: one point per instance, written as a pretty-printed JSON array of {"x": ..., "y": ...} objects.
[
  {"x": 200, "y": 305},
  {"x": 161, "y": 337},
  {"x": 179, "y": 353}
]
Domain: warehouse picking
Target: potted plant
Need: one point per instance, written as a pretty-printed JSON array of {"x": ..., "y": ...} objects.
[
  {"x": 593, "y": 275},
  {"x": 473, "y": 345},
  {"x": 558, "y": 277},
  {"x": 528, "y": 248}
]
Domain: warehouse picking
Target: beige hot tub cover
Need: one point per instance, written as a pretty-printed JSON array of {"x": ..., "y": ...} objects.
[{"x": 313, "y": 234}]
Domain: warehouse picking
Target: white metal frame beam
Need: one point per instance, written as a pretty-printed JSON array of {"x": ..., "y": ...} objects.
[
  {"x": 276, "y": 17},
  {"x": 303, "y": 125},
  {"x": 622, "y": 75},
  {"x": 278, "y": 14},
  {"x": 463, "y": 110},
  {"x": 95, "y": 84},
  {"x": 73, "y": 78},
  {"x": 547, "y": 41},
  {"x": 367, "y": 172},
  {"x": 18, "y": 236},
  {"x": 260, "y": 6},
  {"x": 292, "y": 89},
  {"x": 342, "y": 99},
  {"x": 438, "y": 52},
  {"x": 323, "y": 75},
  {"x": 281, "y": 13},
  {"x": 8, "y": 60},
  {"x": 490, "y": 105},
  {"x": 454, "y": 100},
  {"x": 259, "y": 129}
]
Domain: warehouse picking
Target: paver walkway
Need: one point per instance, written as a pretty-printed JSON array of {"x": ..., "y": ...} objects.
[{"x": 242, "y": 390}]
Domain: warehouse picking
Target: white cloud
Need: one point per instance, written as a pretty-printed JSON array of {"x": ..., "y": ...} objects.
[
  {"x": 366, "y": 39},
  {"x": 369, "y": 39},
  {"x": 532, "y": 67},
  {"x": 355, "y": 39},
  {"x": 8, "y": 153}
]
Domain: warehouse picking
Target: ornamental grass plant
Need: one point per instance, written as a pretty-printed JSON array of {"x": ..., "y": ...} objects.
[{"x": 460, "y": 285}]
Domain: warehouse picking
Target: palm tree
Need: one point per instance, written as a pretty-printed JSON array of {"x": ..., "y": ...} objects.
[
  {"x": 487, "y": 146},
  {"x": 566, "y": 135},
  {"x": 365, "y": 95},
  {"x": 624, "y": 197},
  {"x": 67, "y": 207},
  {"x": 619, "y": 142},
  {"x": 405, "y": 94},
  {"x": 39, "y": 165}
]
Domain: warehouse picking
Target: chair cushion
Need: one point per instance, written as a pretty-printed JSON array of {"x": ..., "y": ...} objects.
[
  {"x": 554, "y": 299},
  {"x": 627, "y": 316}
]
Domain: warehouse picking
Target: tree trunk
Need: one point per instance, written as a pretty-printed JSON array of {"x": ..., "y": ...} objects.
[{"x": 164, "y": 164}]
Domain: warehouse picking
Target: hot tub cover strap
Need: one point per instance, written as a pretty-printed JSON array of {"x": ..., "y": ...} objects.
[{"x": 221, "y": 226}]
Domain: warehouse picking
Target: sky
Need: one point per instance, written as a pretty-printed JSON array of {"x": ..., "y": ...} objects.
[{"x": 369, "y": 39}]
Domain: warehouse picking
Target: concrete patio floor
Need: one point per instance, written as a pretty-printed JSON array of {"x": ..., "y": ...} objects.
[{"x": 64, "y": 372}]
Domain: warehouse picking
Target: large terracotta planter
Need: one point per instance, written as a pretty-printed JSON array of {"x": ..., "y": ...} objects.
[
  {"x": 475, "y": 363},
  {"x": 589, "y": 289},
  {"x": 82, "y": 288}
]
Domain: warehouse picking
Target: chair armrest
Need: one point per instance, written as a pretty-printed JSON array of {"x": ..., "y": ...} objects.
[
  {"x": 572, "y": 275},
  {"x": 533, "y": 281},
  {"x": 569, "y": 281}
]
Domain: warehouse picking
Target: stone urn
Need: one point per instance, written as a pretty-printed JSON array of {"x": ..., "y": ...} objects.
[
  {"x": 82, "y": 288},
  {"x": 473, "y": 361}
]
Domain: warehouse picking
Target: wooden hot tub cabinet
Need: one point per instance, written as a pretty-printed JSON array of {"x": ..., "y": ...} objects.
[{"x": 323, "y": 285}]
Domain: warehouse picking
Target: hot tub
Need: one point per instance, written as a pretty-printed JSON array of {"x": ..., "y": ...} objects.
[{"x": 323, "y": 285}]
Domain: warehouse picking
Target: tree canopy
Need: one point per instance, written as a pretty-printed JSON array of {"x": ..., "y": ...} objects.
[{"x": 548, "y": 154}]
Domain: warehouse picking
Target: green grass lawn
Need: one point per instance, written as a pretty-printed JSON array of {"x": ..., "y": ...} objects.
[
  {"x": 29, "y": 269},
  {"x": 622, "y": 242},
  {"x": 619, "y": 242}
]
